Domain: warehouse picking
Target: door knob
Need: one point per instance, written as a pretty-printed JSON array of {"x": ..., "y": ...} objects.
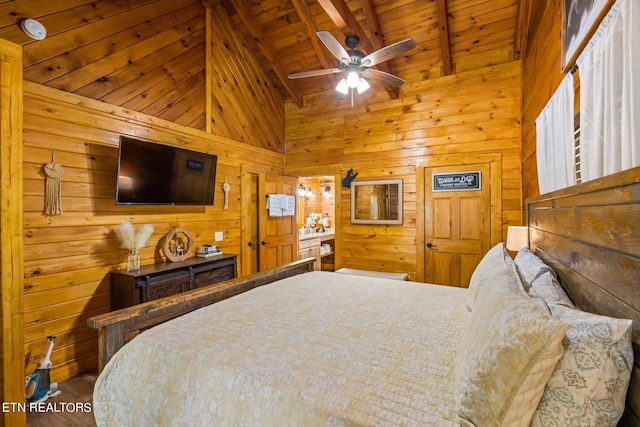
[
  {"x": 429, "y": 245},
  {"x": 250, "y": 244},
  {"x": 262, "y": 242}
]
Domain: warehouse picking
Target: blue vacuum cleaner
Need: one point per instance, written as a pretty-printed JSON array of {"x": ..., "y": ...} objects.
[{"x": 39, "y": 387}]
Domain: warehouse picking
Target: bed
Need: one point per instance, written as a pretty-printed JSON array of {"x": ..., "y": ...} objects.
[{"x": 300, "y": 347}]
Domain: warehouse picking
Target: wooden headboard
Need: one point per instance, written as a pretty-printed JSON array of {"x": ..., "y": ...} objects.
[{"x": 590, "y": 234}]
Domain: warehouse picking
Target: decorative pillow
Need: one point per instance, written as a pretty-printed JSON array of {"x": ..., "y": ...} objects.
[
  {"x": 589, "y": 384},
  {"x": 509, "y": 349},
  {"x": 496, "y": 257},
  {"x": 548, "y": 288},
  {"x": 530, "y": 267}
]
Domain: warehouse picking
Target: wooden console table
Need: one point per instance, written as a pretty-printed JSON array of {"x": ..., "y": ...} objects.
[{"x": 169, "y": 278}]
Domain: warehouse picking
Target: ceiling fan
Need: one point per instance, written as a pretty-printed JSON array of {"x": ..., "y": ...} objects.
[{"x": 356, "y": 65}]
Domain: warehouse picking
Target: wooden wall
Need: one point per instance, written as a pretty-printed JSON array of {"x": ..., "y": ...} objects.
[
  {"x": 542, "y": 66},
  {"x": 245, "y": 106},
  {"x": 151, "y": 56},
  {"x": 470, "y": 113},
  {"x": 11, "y": 242},
  {"x": 92, "y": 80},
  {"x": 67, "y": 258}
]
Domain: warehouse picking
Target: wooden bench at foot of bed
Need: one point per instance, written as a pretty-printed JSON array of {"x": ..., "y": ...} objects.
[
  {"x": 118, "y": 327},
  {"x": 380, "y": 274}
]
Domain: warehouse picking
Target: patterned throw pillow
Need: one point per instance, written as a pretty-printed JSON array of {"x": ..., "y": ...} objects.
[{"x": 589, "y": 384}]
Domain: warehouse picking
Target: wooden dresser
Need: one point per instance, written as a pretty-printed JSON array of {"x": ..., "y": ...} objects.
[{"x": 169, "y": 278}]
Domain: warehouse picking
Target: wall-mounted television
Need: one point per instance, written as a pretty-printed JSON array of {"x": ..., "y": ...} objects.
[{"x": 151, "y": 173}]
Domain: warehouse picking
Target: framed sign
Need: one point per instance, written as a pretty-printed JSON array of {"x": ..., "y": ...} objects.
[
  {"x": 457, "y": 181},
  {"x": 580, "y": 19}
]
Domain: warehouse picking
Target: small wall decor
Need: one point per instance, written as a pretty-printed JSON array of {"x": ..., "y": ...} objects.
[
  {"x": 346, "y": 181},
  {"x": 133, "y": 241},
  {"x": 178, "y": 244},
  {"x": 225, "y": 189},
  {"x": 53, "y": 187}
]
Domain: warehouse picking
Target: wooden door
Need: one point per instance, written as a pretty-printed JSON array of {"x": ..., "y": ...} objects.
[
  {"x": 277, "y": 235},
  {"x": 457, "y": 225},
  {"x": 250, "y": 248}
]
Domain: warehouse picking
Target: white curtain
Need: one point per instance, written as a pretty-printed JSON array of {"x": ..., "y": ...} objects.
[
  {"x": 554, "y": 140},
  {"x": 610, "y": 94}
]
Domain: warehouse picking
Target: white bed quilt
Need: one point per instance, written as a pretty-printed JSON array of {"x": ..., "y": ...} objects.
[{"x": 320, "y": 349}]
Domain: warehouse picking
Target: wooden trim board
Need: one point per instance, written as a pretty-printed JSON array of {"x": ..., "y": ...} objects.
[{"x": 115, "y": 329}]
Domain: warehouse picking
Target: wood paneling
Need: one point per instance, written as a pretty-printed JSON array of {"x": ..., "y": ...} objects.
[
  {"x": 11, "y": 244},
  {"x": 590, "y": 235},
  {"x": 476, "y": 112},
  {"x": 151, "y": 56},
  {"x": 241, "y": 89},
  {"x": 481, "y": 33},
  {"x": 541, "y": 77},
  {"x": 68, "y": 257}
]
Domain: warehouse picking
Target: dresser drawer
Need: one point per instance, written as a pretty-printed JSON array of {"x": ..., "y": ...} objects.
[
  {"x": 163, "y": 286},
  {"x": 220, "y": 274}
]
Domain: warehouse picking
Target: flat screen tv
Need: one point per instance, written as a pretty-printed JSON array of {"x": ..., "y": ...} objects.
[{"x": 150, "y": 173}]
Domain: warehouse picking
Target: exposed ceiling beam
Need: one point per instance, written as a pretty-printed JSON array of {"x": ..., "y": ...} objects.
[
  {"x": 522, "y": 28},
  {"x": 347, "y": 23},
  {"x": 210, "y": 3},
  {"x": 242, "y": 9},
  {"x": 443, "y": 27},
  {"x": 374, "y": 24},
  {"x": 327, "y": 60}
]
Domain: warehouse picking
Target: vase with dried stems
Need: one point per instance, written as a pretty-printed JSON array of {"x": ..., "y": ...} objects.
[{"x": 133, "y": 241}]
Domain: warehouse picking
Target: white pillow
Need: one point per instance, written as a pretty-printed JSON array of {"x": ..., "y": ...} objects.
[
  {"x": 508, "y": 351},
  {"x": 589, "y": 385},
  {"x": 496, "y": 258},
  {"x": 530, "y": 267}
]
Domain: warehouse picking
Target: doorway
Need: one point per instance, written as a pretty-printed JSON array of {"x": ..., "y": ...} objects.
[
  {"x": 316, "y": 198},
  {"x": 458, "y": 224},
  {"x": 317, "y": 220},
  {"x": 267, "y": 241}
]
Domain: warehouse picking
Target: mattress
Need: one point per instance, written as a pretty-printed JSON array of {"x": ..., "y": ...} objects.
[{"x": 319, "y": 349}]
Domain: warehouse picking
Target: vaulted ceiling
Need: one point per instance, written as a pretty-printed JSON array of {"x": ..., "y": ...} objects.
[
  {"x": 451, "y": 36},
  {"x": 117, "y": 51}
]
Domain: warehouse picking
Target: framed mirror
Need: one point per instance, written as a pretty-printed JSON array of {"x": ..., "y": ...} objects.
[{"x": 376, "y": 202}]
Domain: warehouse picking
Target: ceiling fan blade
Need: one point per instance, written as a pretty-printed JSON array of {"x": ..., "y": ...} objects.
[
  {"x": 387, "y": 52},
  {"x": 314, "y": 73},
  {"x": 334, "y": 47},
  {"x": 382, "y": 77}
]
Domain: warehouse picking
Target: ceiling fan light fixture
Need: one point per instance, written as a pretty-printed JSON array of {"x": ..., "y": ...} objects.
[
  {"x": 362, "y": 86},
  {"x": 343, "y": 87},
  {"x": 353, "y": 79}
]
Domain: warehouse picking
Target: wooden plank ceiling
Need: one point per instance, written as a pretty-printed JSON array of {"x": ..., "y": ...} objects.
[{"x": 451, "y": 36}]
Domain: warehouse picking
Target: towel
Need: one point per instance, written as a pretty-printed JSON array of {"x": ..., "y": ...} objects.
[
  {"x": 275, "y": 204},
  {"x": 290, "y": 205}
]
